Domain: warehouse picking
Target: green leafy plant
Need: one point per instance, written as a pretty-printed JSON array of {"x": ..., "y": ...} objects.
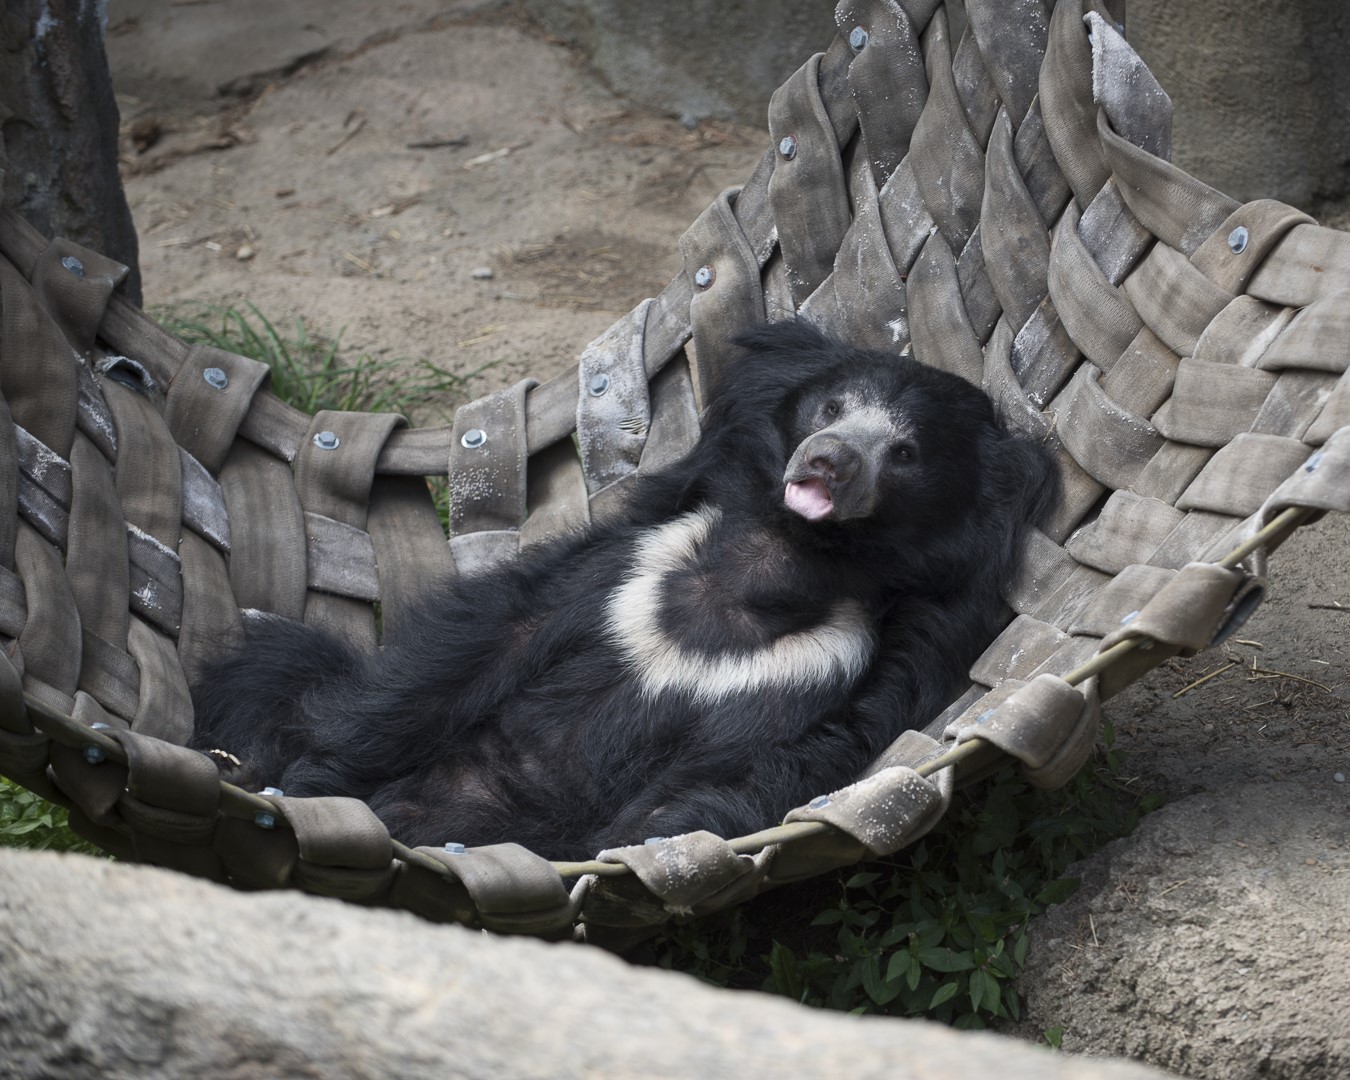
[
  {"x": 30, "y": 821},
  {"x": 940, "y": 930}
]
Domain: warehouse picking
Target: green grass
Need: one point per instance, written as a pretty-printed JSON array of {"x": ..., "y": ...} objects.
[
  {"x": 939, "y": 930},
  {"x": 310, "y": 371}
]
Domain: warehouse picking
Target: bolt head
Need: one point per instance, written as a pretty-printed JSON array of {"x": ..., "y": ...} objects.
[
  {"x": 704, "y": 276},
  {"x": 1237, "y": 240},
  {"x": 327, "y": 440},
  {"x": 73, "y": 265},
  {"x": 818, "y": 803},
  {"x": 857, "y": 38},
  {"x": 599, "y": 385},
  {"x": 216, "y": 377},
  {"x": 265, "y": 821},
  {"x": 787, "y": 146},
  {"x": 275, "y": 792},
  {"x": 473, "y": 439},
  {"x": 95, "y": 755},
  {"x": 456, "y": 849}
]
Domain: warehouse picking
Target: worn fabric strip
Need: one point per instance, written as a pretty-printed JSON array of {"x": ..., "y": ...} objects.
[
  {"x": 1097, "y": 315},
  {"x": 614, "y": 413},
  {"x": 807, "y": 189},
  {"x": 208, "y": 400},
  {"x": 1017, "y": 250},
  {"x": 885, "y": 811},
  {"x": 887, "y": 78}
]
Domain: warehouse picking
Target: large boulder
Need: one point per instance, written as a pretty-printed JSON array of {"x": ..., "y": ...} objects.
[
  {"x": 110, "y": 970},
  {"x": 1215, "y": 941}
]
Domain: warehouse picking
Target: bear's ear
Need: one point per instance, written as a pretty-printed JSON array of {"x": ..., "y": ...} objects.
[
  {"x": 1019, "y": 481},
  {"x": 777, "y": 358},
  {"x": 787, "y": 336}
]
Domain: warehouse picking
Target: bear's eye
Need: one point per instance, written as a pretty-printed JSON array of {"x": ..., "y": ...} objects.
[
  {"x": 902, "y": 452},
  {"x": 831, "y": 408}
]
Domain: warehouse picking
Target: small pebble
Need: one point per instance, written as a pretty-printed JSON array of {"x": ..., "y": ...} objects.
[
  {"x": 481, "y": 273},
  {"x": 244, "y": 253},
  {"x": 1339, "y": 777}
]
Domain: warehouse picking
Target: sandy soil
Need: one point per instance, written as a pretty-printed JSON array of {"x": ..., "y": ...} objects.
[
  {"x": 369, "y": 167},
  {"x": 442, "y": 180}
]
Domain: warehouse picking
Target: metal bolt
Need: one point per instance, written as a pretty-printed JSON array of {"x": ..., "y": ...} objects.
[
  {"x": 327, "y": 440},
  {"x": 599, "y": 384},
  {"x": 73, "y": 265},
  {"x": 1237, "y": 240},
  {"x": 1311, "y": 464},
  {"x": 456, "y": 849},
  {"x": 275, "y": 792},
  {"x": 857, "y": 38},
  {"x": 818, "y": 803},
  {"x": 265, "y": 820},
  {"x": 653, "y": 840},
  {"x": 95, "y": 755},
  {"x": 787, "y": 146},
  {"x": 216, "y": 377},
  {"x": 473, "y": 438},
  {"x": 704, "y": 276}
]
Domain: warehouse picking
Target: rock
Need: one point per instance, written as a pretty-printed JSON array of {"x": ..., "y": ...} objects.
[
  {"x": 1214, "y": 941},
  {"x": 1261, "y": 93},
  {"x": 111, "y": 970},
  {"x": 694, "y": 60}
]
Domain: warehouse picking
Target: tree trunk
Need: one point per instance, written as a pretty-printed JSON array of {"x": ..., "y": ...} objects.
[{"x": 58, "y": 128}]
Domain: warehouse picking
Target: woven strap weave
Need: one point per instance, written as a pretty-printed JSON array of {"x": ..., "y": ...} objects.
[{"x": 1002, "y": 205}]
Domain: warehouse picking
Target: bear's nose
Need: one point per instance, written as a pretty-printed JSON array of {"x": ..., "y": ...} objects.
[{"x": 831, "y": 458}]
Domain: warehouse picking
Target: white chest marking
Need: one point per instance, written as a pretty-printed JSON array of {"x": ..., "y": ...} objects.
[{"x": 840, "y": 646}]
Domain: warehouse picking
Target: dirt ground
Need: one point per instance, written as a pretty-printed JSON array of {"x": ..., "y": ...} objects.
[
  {"x": 432, "y": 180},
  {"x": 441, "y": 180}
]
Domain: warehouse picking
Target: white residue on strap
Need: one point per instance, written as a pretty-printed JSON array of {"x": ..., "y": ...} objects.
[
  {"x": 46, "y": 467},
  {"x": 46, "y": 22},
  {"x": 95, "y": 417},
  {"x": 145, "y": 537},
  {"x": 148, "y": 593}
]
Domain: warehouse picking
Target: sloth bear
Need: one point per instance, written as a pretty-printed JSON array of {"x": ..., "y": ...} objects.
[{"x": 814, "y": 578}]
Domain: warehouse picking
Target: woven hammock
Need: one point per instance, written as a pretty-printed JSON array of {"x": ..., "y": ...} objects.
[{"x": 1002, "y": 204}]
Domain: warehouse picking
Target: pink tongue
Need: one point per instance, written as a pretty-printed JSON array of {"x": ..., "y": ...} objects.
[{"x": 810, "y": 498}]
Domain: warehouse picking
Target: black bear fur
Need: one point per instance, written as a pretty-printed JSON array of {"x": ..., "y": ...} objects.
[{"x": 813, "y": 579}]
